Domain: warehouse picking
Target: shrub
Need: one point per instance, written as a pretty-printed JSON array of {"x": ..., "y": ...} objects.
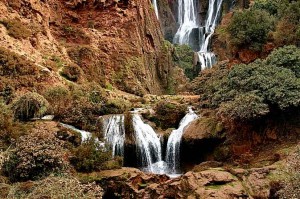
[
  {"x": 71, "y": 72},
  {"x": 288, "y": 25},
  {"x": 184, "y": 58},
  {"x": 35, "y": 156},
  {"x": 7, "y": 125},
  {"x": 286, "y": 57},
  {"x": 12, "y": 64},
  {"x": 29, "y": 105},
  {"x": 60, "y": 100},
  {"x": 277, "y": 86},
  {"x": 17, "y": 29},
  {"x": 244, "y": 107},
  {"x": 89, "y": 156},
  {"x": 262, "y": 85},
  {"x": 271, "y": 6},
  {"x": 80, "y": 53},
  {"x": 250, "y": 28}
]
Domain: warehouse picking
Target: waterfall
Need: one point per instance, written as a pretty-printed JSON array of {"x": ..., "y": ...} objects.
[
  {"x": 173, "y": 145},
  {"x": 114, "y": 133},
  {"x": 189, "y": 21},
  {"x": 85, "y": 135},
  {"x": 154, "y": 3},
  {"x": 147, "y": 143}
]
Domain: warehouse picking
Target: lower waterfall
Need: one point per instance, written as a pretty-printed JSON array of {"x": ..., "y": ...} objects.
[
  {"x": 114, "y": 133},
  {"x": 173, "y": 145},
  {"x": 147, "y": 142}
]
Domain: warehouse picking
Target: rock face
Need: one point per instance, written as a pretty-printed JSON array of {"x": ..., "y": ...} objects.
[
  {"x": 200, "y": 139},
  {"x": 115, "y": 43},
  {"x": 167, "y": 18},
  {"x": 210, "y": 183}
]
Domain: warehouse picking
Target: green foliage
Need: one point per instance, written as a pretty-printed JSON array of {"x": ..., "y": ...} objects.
[
  {"x": 89, "y": 156},
  {"x": 250, "y": 91},
  {"x": 184, "y": 57},
  {"x": 244, "y": 107},
  {"x": 17, "y": 29},
  {"x": 288, "y": 25},
  {"x": 277, "y": 86},
  {"x": 286, "y": 57},
  {"x": 35, "y": 156},
  {"x": 250, "y": 28},
  {"x": 8, "y": 130},
  {"x": 71, "y": 72},
  {"x": 271, "y": 6},
  {"x": 59, "y": 98},
  {"x": 29, "y": 105}
]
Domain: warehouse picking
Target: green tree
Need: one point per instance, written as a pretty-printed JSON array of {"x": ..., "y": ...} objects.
[{"x": 250, "y": 28}]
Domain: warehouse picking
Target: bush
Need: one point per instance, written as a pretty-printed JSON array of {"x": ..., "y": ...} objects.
[
  {"x": 262, "y": 85},
  {"x": 286, "y": 57},
  {"x": 288, "y": 25},
  {"x": 244, "y": 107},
  {"x": 277, "y": 86},
  {"x": 60, "y": 100},
  {"x": 35, "y": 156},
  {"x": 250, "y": 28},
  {"x": 29, "y": 105},
  {"x": 89, "y": 156},
  {"x": 7, "y": 125},
  {"x": 17, "y": 29},
  {"x": 12, "y": 64},
  {"x": 71, "y": 72},
  {"x": 184, "y": 58},
  {"x": 271, "y": 6}
]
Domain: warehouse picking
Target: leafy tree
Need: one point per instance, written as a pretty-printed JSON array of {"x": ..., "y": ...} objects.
[
  {"x": 244, "y": 107},
  {"x": 250, "y": 91},
  {"x": 250, "y": 28},
  {"x": 286, "y": 57}
]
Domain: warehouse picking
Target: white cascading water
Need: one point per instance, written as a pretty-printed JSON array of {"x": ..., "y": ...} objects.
[
  {"x": 85, "y": 135},
  {"x": 114, "y": 133},
  {"x": 188, "y": 20},
  {"x": 154, "y": 3},
  {"x": 147, "y": 143},
  {"x": 173, "y": 145}
]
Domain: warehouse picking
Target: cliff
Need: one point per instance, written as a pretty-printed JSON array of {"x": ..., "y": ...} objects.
[{"x": 111, "y": 43}]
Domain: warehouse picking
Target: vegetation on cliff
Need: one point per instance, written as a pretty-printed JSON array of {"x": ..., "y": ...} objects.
[{"x": 247, "y": 92}]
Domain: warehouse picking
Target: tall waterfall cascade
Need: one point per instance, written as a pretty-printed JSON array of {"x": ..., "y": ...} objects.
[
  {"x": 173, "y": 145},
  {"x": 114, "y": 133},
  {"x": 190, "y": 24}
]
